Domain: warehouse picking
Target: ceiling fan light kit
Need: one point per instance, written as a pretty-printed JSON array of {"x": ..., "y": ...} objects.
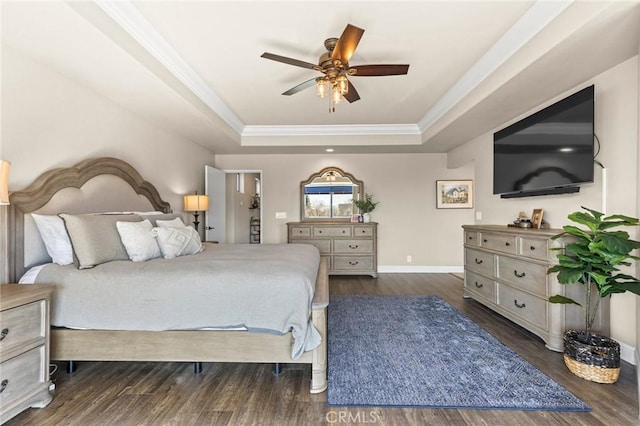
[{"x": 334, "y": 65}]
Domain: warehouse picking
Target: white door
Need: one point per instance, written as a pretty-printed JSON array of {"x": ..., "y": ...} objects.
[{"x": 214, "y": 187}]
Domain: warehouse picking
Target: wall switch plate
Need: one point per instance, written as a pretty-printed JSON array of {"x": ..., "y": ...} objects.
[
  {"x": 409, "y": 259},
  {"x": 281, "y": 215},
  {"x": 478, "y": 215}
]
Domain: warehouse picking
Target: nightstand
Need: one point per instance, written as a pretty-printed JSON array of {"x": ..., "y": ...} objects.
[{"x": 24, "y": 348}]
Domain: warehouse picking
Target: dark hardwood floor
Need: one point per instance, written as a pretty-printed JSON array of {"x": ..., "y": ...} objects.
[{"x": 136, "y": 393}]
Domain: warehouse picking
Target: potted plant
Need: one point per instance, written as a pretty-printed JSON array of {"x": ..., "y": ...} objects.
[
  {"x": 366, "y": 206},
  {"x": 591, "y": 259}
]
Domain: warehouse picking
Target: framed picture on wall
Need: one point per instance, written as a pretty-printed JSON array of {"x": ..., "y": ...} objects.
[{"x": 454, "y": 194}]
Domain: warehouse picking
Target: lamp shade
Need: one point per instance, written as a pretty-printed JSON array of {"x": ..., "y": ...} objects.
[
  {"x": 4, "y": 182},
  {"x": 196, "y": 203}
]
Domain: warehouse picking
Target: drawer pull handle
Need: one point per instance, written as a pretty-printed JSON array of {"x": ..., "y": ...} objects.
[
  {"x": 532, "y": 248},
  {"x": 478, "y": 261},
  {"x": 3, "y": 385},
  {"x": 343, "y": 231},
  {"x": 3, "y": 334},
  {"x": 519, "y": 275},
  {"x": 515, "y": 302},
  {"x": 471, "y": 238},
  {"x": 478, "y": 285},
  {"x": 507, "y": 244},
  {"x": 353, "y": 246},
  {"x": 353, "y": 262},
  {"x": 485, "y": 240},
  {"x": 319, "y": 232}
]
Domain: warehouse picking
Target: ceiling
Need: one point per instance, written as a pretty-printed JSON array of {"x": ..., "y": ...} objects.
[{"x": 194, "y": 68}]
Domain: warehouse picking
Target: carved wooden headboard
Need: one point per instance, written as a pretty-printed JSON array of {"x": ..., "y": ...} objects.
[{"x": 91, "y": 186}]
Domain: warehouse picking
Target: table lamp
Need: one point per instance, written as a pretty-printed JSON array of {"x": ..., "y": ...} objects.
[{"x": 196, "y": 203}]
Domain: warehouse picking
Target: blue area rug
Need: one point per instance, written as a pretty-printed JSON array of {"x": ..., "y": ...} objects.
[{"x": 418, "y": 351}]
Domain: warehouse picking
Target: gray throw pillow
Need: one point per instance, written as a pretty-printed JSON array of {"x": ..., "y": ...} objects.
[
  {"x": 95, "y": 238},
  {"x": 164, "y": 216}
]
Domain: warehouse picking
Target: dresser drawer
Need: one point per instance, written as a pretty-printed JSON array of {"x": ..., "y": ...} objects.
[
  {"x": 479, "y": 261},
  {"x": 363, "y": 231},
  {"x": 324, "y": 246},
  {"x": 525, "y": 275},
  {"x": 22, "y": 325},
  {"x": 21, "y": 374},
  {"x": 299, "y": 231},
  {"x": 524, "y": 305},
  {"x": 534, "y": 248},
  {"x": 353, "y": 263},
  {"x": 331, "y": 231},
  {"x": 353, "y": 246},
  {"x": 485, "y": 287},
  {"x": 471, "y": 238},
  {"x": 499, "y": 242}
]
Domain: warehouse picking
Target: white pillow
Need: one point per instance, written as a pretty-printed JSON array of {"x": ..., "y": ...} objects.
[
  {"x": 178, "y": 241},
  {"x": 55, "y": 238},
  {"x": 139, "y": 240},
  {"x": 173, "y": 223}
]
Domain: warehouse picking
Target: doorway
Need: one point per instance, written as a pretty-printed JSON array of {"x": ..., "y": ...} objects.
[{"x": 236, "y": 217}]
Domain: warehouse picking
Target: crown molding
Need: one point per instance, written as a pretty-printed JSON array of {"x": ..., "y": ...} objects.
[
  {"x": 137, "y": 26},
  {"x": 534, "y": 20},
  {"x": 333, "y": 130}
]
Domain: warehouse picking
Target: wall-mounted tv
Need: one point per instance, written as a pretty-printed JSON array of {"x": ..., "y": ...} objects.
[{"x": 549, "y": 152}]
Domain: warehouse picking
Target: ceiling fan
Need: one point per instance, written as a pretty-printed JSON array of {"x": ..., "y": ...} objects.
[{"x": 334, "y": 65}]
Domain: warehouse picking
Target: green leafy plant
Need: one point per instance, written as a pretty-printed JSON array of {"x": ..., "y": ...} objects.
[
  {"x": 592, "y": 258},
  {"x": 367, "y": 205}
]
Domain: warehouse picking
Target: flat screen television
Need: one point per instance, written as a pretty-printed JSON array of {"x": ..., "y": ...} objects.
[{"x": 549, "y": 152}]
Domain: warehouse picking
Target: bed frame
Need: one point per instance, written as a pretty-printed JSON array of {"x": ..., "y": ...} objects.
[{"x": 178, "y": 346}]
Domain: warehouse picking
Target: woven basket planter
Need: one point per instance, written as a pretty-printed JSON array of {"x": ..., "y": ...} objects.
[{"x": 592, "y": 357}]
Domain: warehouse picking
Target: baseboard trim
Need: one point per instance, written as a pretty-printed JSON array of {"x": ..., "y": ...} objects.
[
  {"x": 415, "y": 269},
  {"x": 637, "y": 379},
  {"x": 628, "y": 353}
]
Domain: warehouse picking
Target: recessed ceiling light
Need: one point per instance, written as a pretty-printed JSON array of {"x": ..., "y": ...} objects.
[
  {"x": 568, "y": 149},
  {"x": 329, "y": 149}
]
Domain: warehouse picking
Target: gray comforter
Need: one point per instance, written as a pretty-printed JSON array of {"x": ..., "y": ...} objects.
[{"x": 267, "y": 287}]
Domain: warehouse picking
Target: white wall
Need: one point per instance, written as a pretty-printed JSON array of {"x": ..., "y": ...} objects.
[
  {"x": 616, "y": 112},
  {"x": 637, "y": 354},
  {"x": 49, "y": 120},
  {"x": 409, "y": 223}
]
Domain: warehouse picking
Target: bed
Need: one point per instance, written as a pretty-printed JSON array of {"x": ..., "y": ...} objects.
[{"x": 112, "y": 185}]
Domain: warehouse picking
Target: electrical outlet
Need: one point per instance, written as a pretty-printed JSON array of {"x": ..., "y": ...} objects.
[
  {"x": 409, "y": 259},
  {"x": 281, "y": 215}
]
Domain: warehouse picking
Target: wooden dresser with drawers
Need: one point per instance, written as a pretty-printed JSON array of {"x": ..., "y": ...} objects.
[
  {"x": 505, "y": 269},
  {"x": 350, "y": 248}
]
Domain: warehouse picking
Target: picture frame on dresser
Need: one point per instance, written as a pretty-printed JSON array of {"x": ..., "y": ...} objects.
[
  {"x": 454, "y": 194},
  {"x": 536, "y": 218}
]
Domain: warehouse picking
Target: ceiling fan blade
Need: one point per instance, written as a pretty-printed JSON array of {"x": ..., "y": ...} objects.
[
  {"x": 352, "y": 94},
  {"x": 290, "y": 61},
  {"x": 378, "y": 70},
  {"x": 300, "y": 87},
  {"x": 347, "y": 43}
]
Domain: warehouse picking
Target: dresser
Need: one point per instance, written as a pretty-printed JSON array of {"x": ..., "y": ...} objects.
[
  {"x": 350, "y": 248},
  {"x": 505, "y": 269},
  {"x": 24, "y": 348}
]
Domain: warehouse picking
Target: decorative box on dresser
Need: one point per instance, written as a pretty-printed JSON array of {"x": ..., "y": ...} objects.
[
  {"x": 505, "y": 269},
  {"x": 24, "y": 348},
  {"x": 350, "y": 248}
]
